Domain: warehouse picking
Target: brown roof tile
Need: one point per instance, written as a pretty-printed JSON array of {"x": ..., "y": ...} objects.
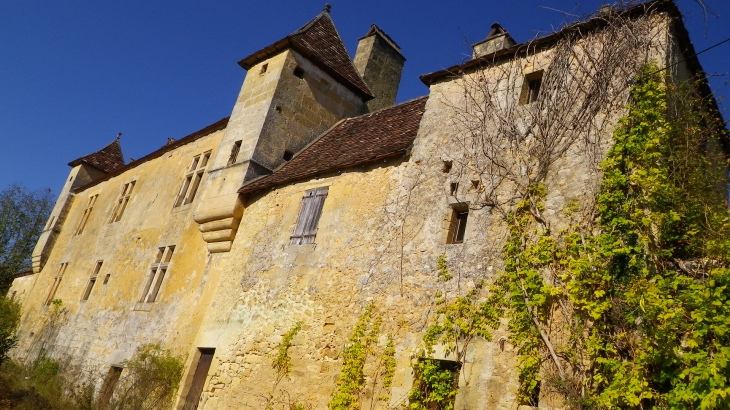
[
  {"x": 107, "y": 159},
  {"x": 318, "y": 41},
  {"x": 354, "y": 141}
]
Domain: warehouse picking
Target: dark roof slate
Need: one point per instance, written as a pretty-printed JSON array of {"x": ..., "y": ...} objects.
[
  {"x": 107, "y": 159},
  {"x": 319, "y": 41},
  {"x": 353, "y": 141}
]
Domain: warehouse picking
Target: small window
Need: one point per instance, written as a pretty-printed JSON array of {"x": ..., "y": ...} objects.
[
  {"x": 299, "y": 72},
  {"x": 453, "y": 188},
  {"x": 92, "y": 280},
  {"x": 122, "y": 202},
  {"x": 193, "y": 179},
  {"x": 457, "y": 226},
  {"x": 288, "y": 155},
  {"x": 531, "y": 88},
  {"x": 158, "y": 270},
  {"x": 309, "y": 214},
  {"x": 56, "y": 283},
  {"x": 447, "y": 167},
  {"x": 234, "y": 153},
  {"x": 264, "y": 68},
  {"x": 106, "y": 278},
  {"x": 85, "y": 216}
]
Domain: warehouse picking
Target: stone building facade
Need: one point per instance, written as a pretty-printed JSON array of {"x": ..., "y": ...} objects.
[{"x": 316, "y": 198}]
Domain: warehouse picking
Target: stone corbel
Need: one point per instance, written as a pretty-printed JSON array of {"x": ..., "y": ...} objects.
[{"x": 220, "y": 223}]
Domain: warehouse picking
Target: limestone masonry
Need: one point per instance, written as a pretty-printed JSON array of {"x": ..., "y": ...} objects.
[{"x": 316, "y": 198}]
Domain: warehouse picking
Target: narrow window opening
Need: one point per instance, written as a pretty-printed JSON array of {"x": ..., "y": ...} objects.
[
  {"x": 457, "y": 226},
  {"x": 288, "y": 155},
  {"x": 92, "y": 280},
  {"x": 106, "y": 278},
  {"x": 85, "y": 216},
  {"x": 264, "y": 68},
  {"x": 298, "y": 72},
  {"x": 12, "y": 297},
  {"x": 453, "y": 188},
  {"x": 447, "y": 167},
  {"x": 234, "y": 152},
  {"x": 56, "y": 284}
]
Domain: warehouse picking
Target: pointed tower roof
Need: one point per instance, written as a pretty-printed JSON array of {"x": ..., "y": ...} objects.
[
  {"x": 107, "y": 159},
  {"x": 319, "y": 42}
]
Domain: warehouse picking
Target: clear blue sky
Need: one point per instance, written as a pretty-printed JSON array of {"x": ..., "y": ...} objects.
[{"x": 75, "y": 73}]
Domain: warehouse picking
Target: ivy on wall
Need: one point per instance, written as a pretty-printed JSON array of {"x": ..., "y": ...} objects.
[{"x": 627, "y": 307}]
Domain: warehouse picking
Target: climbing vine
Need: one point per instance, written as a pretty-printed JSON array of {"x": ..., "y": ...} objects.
[
  {"x": 352, "y": 377},
  {"x": 628, "y": 306}
]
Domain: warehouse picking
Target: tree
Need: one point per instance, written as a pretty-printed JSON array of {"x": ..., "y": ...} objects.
[{"x": 22, "y": 216}]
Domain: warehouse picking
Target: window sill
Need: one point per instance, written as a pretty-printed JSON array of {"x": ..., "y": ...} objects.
[{"x": 143, "y": 306}]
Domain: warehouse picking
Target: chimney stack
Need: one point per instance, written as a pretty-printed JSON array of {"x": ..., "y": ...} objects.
[
  {"x": 379, "y": 62},
  {"x": 498, "y": 39}
]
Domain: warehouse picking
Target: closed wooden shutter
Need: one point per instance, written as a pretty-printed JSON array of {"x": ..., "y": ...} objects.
[
  {"x": 309, "y": 214},
  {"x": 201, "y": 373}
]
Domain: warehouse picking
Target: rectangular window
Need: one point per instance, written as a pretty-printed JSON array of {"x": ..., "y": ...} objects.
[
  {"x": 158, "y": 270},
  {"x": 457, "y": 226},
  {"x": 122, "y": 202},
  {"x": 56, "y": 283},
  {"x": 234, "y": 152},
  {"x": 192, "y": 179},
  {"x": 92, "y": 280},
  {"x": 85, "y": 217},
  {"x": 309, "y": 214},
  {"x": 531, "y": 88}
]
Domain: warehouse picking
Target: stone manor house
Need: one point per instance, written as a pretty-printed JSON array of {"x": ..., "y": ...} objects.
[{"x": 316, "y": 198}]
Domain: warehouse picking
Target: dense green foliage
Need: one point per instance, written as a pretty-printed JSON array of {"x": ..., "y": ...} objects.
[
  {"x": 149, "y": 381},
  {"x": 9, "y": 321},
  {"x": 627, "y": 307},
  {"x": 22, "y": 216}
]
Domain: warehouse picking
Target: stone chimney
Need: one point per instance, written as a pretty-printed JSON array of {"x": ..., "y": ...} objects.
[
  {"x": 379, "y": 62},
  {"x": 498, "y": 39}
]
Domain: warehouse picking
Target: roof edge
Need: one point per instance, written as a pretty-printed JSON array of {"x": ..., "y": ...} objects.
[{"x": 217, "y": 126}]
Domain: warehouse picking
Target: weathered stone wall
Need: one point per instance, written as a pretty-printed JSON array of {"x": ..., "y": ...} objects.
[
  {"x": 91, "y": 335},
  {"x": 381, "y": 66}
]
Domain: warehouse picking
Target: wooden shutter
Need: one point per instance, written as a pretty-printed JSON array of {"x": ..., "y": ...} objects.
[{"x": 309, "y": 214}]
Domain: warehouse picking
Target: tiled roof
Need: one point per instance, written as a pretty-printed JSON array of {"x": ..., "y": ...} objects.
[
  {"x": 354, "y": 141},
  {"x": 221, "y": 124},
  {"x": 318, "y": 41},
  {"x": 107, "y": 159}
]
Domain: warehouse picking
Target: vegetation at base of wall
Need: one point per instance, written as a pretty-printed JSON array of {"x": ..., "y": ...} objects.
[
  {"x": 9, "y": 321},
  {"x": 352, "y": 377},
  {"x": 23, "y": 214},
  {"x": 40, "y": 386},
  {"x": 149, "y": 380},
  {"x": 281, "y": 363},
  {"x": 388, "y": 361},
  {"x": 628, "y": 306}
]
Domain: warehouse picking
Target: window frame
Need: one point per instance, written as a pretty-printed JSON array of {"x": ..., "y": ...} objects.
[
  {"x": 155, "y": 277},
  {"x": 531, "y": 86},
  {"x": 92, "y": 280},
  {"x": 56, "y": 283},
  {"x": 310, "y": 212},
  {"x": 193, "y": 178},
  {"x": 122, "y": 202},
  {"x": 457, "y": 224},
  {"x": 85, "y": 217}
]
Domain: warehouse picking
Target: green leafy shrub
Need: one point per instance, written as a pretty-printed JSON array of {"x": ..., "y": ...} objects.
[{"x": 9, "y": 321}]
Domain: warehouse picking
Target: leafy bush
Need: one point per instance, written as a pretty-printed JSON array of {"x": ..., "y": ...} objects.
[{"x": 9, "y": 320}]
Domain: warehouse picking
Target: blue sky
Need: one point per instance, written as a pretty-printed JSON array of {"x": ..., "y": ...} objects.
[{"x": 75, "y": 73}]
